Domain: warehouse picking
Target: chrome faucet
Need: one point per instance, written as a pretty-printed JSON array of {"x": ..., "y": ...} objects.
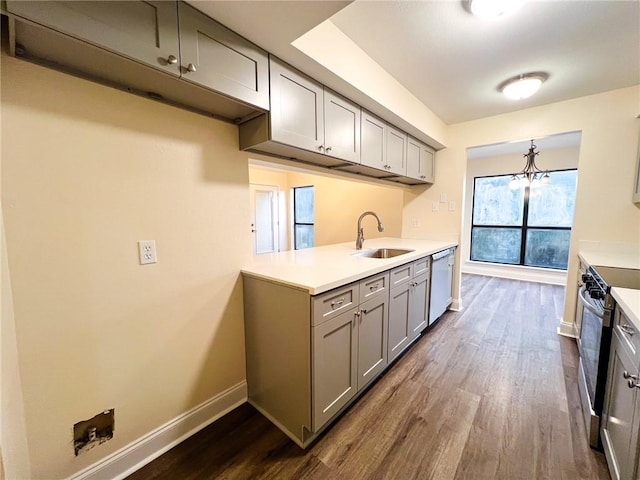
[{"x": 360, "y": 237}]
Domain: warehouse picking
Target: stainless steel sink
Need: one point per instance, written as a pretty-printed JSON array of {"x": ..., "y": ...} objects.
[{"x": 383, "y": 252}]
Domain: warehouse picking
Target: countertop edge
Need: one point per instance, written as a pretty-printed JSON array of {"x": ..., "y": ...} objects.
[
  {"x": 356, "y": 274},
  {"x": 629, "y": 301}
]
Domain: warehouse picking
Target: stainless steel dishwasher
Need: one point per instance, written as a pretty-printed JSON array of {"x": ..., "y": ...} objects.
[{"x": 441, "y": 283}]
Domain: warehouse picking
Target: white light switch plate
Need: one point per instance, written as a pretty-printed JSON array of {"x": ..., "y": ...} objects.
[
  {"x": 452, "y": 206},
  {"x": 435, "y": 206},
  {"x": 443, "y": 198},
  {"x": 147, "y": 251}
]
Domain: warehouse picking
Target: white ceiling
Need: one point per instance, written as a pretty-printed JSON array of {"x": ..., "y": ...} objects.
[{"x": 452, "y": 61}]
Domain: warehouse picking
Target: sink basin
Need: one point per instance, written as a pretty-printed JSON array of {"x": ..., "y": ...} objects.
[{"x": 383, "y": 252}]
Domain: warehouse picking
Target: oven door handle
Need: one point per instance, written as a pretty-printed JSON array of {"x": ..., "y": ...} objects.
[{"x": 588, "y": 305}]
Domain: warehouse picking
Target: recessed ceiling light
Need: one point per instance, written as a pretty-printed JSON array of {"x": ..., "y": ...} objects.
[
  {"x": 523, "y": 86},
  {"x": 490, "y": 9}
]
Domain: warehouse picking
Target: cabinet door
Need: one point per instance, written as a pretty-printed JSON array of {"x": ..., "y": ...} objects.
[
  {"x": 217, "y": 58},
  {"x": 335, "y": 364},
  {"x": 619, "y": 410},
  {"x": 297, "y": 108},
  {"x": 143, "y": 31},
  {"x": 413, "y": 158},
  {"x": 373, "y": 320},
  {"x": 374, "y": 141},
  {"x": 427, "y": 164},
  {"x": 341, "y": 127},
  {"x": 419, "y": 307},
  {"x": 396, "y": 151},
  {"x": 399, "y": 329}
]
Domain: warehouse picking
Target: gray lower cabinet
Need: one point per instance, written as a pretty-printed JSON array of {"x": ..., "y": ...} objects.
[
  {"x": 621, "y": 414},
  {"x": 408, "y": 305},
  {"x": 229, "y": 74},
  {"x": 308, "y": 357},
  {"x": 420, "y": 161}
]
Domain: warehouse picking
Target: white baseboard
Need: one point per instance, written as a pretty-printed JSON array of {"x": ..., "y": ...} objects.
[
  {"x": 567, "y": 329},
  {"x": 516, "y": 272},
  {"x": 137, "y": 454},
  {"x": 456, "y": 305}
]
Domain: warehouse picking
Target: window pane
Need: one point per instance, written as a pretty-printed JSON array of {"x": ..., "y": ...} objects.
[
  {"x": 494, "y": 203},
  {"x": 304, "y": 236},
  {"x": 500, "y": 245},
  {"x": 547, "y": 248},
  {"x": 303, "y": 205},
  {"x": 552, "y": 205}
]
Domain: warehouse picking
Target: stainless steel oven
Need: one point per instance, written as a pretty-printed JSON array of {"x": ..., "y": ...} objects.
[{"x": 597, "y": 307}]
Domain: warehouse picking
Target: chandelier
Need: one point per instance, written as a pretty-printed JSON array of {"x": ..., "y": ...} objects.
[{"x": 530, "y": 175}]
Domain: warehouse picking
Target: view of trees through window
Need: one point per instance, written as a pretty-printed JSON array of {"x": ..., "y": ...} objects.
[
  {"x": 303, "y": 217},
  {"x": 524, "y": 226}
]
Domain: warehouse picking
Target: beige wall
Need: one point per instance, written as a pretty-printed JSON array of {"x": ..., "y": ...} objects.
[
  {"x": 604, "y": 211},
  {"x": 339, "y": 201},
  {"x": 87, "y": 171}
]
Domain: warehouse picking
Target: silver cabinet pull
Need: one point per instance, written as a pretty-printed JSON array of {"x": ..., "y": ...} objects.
[
  {"x": 633, "y": 383},
  {"x": 374, "y": 287},
  {"x": 321, "y": 147},
  {"x": 337, "y": 302},
  {"x": 191, "y": 68},
  {"x": 628, "y": 329},
  {"x": 328, "y": 149},
  {"x": 626, "y": 374},
  {"x": 172, "y": 59}
]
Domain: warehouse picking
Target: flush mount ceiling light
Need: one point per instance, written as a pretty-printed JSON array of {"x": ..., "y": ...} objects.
[
  {"x": 490, "y": 9},
  {"x": 523, "y": 86},
  {"x": 530, "y": 175}
]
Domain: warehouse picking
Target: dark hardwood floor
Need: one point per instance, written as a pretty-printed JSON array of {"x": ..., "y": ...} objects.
[{"x": 487, "y": 393}]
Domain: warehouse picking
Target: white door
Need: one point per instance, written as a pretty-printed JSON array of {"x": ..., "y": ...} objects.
[{"x": 264, "y": 218}]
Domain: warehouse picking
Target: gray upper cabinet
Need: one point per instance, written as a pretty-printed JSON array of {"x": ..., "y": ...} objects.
[
  {"x": 143, "y": 31},
  {"x": 297, "y": 108},
  {"x": 306, "y": 115},
  {"x": 374, "y": 141},
  {"x": 164, "y": 50},
  {"x": 420, "y": 161},
  {"x": 396, "y": 151},
  {"x": 215, "y": 57},
  {"x": 341, "y": 127}
]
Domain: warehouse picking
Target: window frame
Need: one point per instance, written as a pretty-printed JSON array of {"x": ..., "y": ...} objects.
[
  {"x": 296, "y": 223},
  {"x": 524, "y": 228}
]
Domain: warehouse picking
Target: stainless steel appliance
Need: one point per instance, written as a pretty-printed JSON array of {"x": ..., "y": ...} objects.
[{"x": 597, "y": 307}]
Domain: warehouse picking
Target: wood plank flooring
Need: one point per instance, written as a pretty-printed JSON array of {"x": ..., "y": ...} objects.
[{"x": 487, "y": 393}]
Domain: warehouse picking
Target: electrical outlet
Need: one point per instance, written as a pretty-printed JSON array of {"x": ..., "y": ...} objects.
[
  {"x": 435, "y": 206},
  {"x": 147, "y": 251},
  {"x": 452, "y": 206},
  {"x": 415, "y": 223},
  {"x": 443, "y": 198}
]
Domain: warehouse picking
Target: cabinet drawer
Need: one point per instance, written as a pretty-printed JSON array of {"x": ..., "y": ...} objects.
[
  {"x": 372, "y": 286},
  {"x": 421, "y": 266},
  {"x": 334, "y": 302},
  {"x": 629, "y": 335},
  {"x": 401, "y": 274}
]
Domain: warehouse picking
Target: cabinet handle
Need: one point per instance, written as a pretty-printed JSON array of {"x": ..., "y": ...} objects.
[
  {"x": 328, "y": 149},
  {"x": 362, "y": 311},
  {"x": 626, "y": 374},
  {"x": 191, "y": 68},
  {"x": 633, "y": 383},
  {"x": 628, "y": 329},
  {"x": 172, "y": 59},
  {"x": 337, "y": 302},
  {"x": 374, "y": 287},
  {"x": 423, "y": 177},
  {"x": 321, "y": 147}
]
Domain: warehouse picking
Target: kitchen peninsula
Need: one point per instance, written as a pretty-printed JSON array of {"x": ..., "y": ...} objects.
[{"x": 322, "y": 323}]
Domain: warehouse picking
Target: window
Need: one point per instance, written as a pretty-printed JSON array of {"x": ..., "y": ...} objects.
[
  {"x": 530, "y": 226},
  {"x": 303, "y": 217}
]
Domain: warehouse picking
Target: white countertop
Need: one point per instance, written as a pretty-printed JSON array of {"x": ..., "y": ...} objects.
[
  {"x": 629, "y": 300},
  {"x": 618, "y": 256},
  {"x": 320, "y": 269}
]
